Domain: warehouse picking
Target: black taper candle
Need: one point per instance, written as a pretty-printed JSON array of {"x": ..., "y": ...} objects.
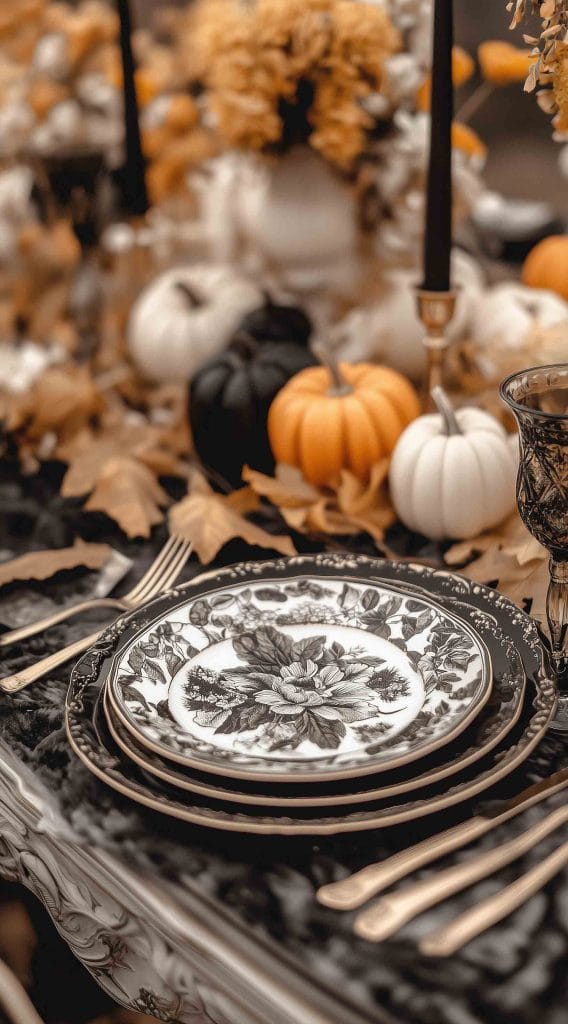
[
  {"x": 438, "y": 237},
  {"x": 133, "y": 178}
]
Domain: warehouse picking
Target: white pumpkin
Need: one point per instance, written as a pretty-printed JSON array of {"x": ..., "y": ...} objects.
[
  {"x": 505, "y": 315},
  {"x": 390, "y": 332},
  {"x": 185, "y": 317},
  {"x": 452, "y": 474}
]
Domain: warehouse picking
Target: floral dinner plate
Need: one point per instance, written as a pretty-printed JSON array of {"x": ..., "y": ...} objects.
[
  {"x": 277, "y": 673},
  {"x": 489, "y": 728},
  {"x": 88, "y": 733}
]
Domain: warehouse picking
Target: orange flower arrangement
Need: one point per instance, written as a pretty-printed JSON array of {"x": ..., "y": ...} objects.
[{"x": 281, "y": 71}]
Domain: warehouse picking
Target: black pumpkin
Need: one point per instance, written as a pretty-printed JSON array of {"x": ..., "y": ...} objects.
[
  {"x": 275, "y": 322},
  {"x": 229, "y": 401}
]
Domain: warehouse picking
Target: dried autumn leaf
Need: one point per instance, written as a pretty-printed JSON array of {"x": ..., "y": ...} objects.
[
  {"x": 511, "y": 557},
  {"x": 511, "y": 536},
  {"x": 210, "y": 520},
  {"x": 350, "y": 508},
  {"x": 286, "y": 489},
  {"x": 243, "y": 501},
  {"x": 88, "y": 453},
  {"x": 367, "y": 506},
  {"x": 41, "y": 565},
  {"x": 62, "y": 401},
  {"x": 129, "y": 493}
]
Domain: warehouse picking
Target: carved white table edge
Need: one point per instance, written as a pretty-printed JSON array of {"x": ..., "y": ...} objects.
[{"x": 144, "y": 945}]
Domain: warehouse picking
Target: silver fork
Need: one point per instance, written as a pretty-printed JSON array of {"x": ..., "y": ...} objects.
[
  {"x": 149, "y": 584},
  {"x": 168, "y": 571}
]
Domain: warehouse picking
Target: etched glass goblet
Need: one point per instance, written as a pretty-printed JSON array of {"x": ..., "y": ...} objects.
[{"x": 538, "y": 398}]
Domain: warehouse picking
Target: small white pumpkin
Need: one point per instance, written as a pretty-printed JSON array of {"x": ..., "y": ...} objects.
[
  {"x": 505, "y": 315},
  {"x": 453, "y": 474},
  {"x": 185, "y": 317}
]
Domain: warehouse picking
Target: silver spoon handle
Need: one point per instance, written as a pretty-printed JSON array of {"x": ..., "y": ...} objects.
[
  {"x": 394, "y": 910},
  {"x": 448, "y": 940}
]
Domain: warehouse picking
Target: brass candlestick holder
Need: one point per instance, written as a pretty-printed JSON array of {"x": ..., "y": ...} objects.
[{"x": 435, "y": 310}]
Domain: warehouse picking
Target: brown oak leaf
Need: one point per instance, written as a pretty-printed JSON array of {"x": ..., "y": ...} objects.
[
  {"x": 41, "y": 565},
  {"x": 210, "y": 520}
]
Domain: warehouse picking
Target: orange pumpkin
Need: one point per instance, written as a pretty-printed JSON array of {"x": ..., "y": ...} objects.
[
  {"x": 327, "y": 419},
  {"x": 502, "y": 63},
  {"x": 463, "y": 67},
  {"x": 546, "y": 266}
]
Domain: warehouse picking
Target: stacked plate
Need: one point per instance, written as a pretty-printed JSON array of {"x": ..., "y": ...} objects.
[{"x": 314, "y": 695}]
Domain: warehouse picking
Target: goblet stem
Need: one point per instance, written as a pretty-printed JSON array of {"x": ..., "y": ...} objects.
[{"x": 557, "y": 614}]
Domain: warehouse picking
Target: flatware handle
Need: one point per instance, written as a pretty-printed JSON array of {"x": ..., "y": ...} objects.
[
  {"x": 452, "y": 937},
  {"x": 15, "y": 635},
  {"x": 350, "y": 893},
  {"x": 393, "y": 911},
  {"x": 11, "y": 684}
]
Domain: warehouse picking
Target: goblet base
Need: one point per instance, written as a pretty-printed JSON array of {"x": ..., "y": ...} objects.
[{"x": 560, "y": 723}]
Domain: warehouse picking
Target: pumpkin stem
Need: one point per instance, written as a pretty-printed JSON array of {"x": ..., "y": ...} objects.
[
  {"x": 195, "y": 300},
  {"x": 339, "y": 385},
  {"x": 444, "y": 407}
]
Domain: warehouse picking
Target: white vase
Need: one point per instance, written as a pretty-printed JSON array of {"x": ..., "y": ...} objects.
[{"x": 300, "y": 216}]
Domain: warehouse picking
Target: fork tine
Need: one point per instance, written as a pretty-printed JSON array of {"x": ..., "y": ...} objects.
[
  {"x": 164, "y": 552},
  {"x": 154, "y": 583},
  {"x": 167, "y": 579}
]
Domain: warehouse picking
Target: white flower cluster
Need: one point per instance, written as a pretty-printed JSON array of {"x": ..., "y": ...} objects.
[{"x": 90, "y": 116}]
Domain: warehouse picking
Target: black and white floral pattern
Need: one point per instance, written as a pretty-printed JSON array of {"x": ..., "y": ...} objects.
[{"x": 307, "y": 675}]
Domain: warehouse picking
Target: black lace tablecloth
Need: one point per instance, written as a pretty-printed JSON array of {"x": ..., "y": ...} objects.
[{"x": 516, "y": 973}]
